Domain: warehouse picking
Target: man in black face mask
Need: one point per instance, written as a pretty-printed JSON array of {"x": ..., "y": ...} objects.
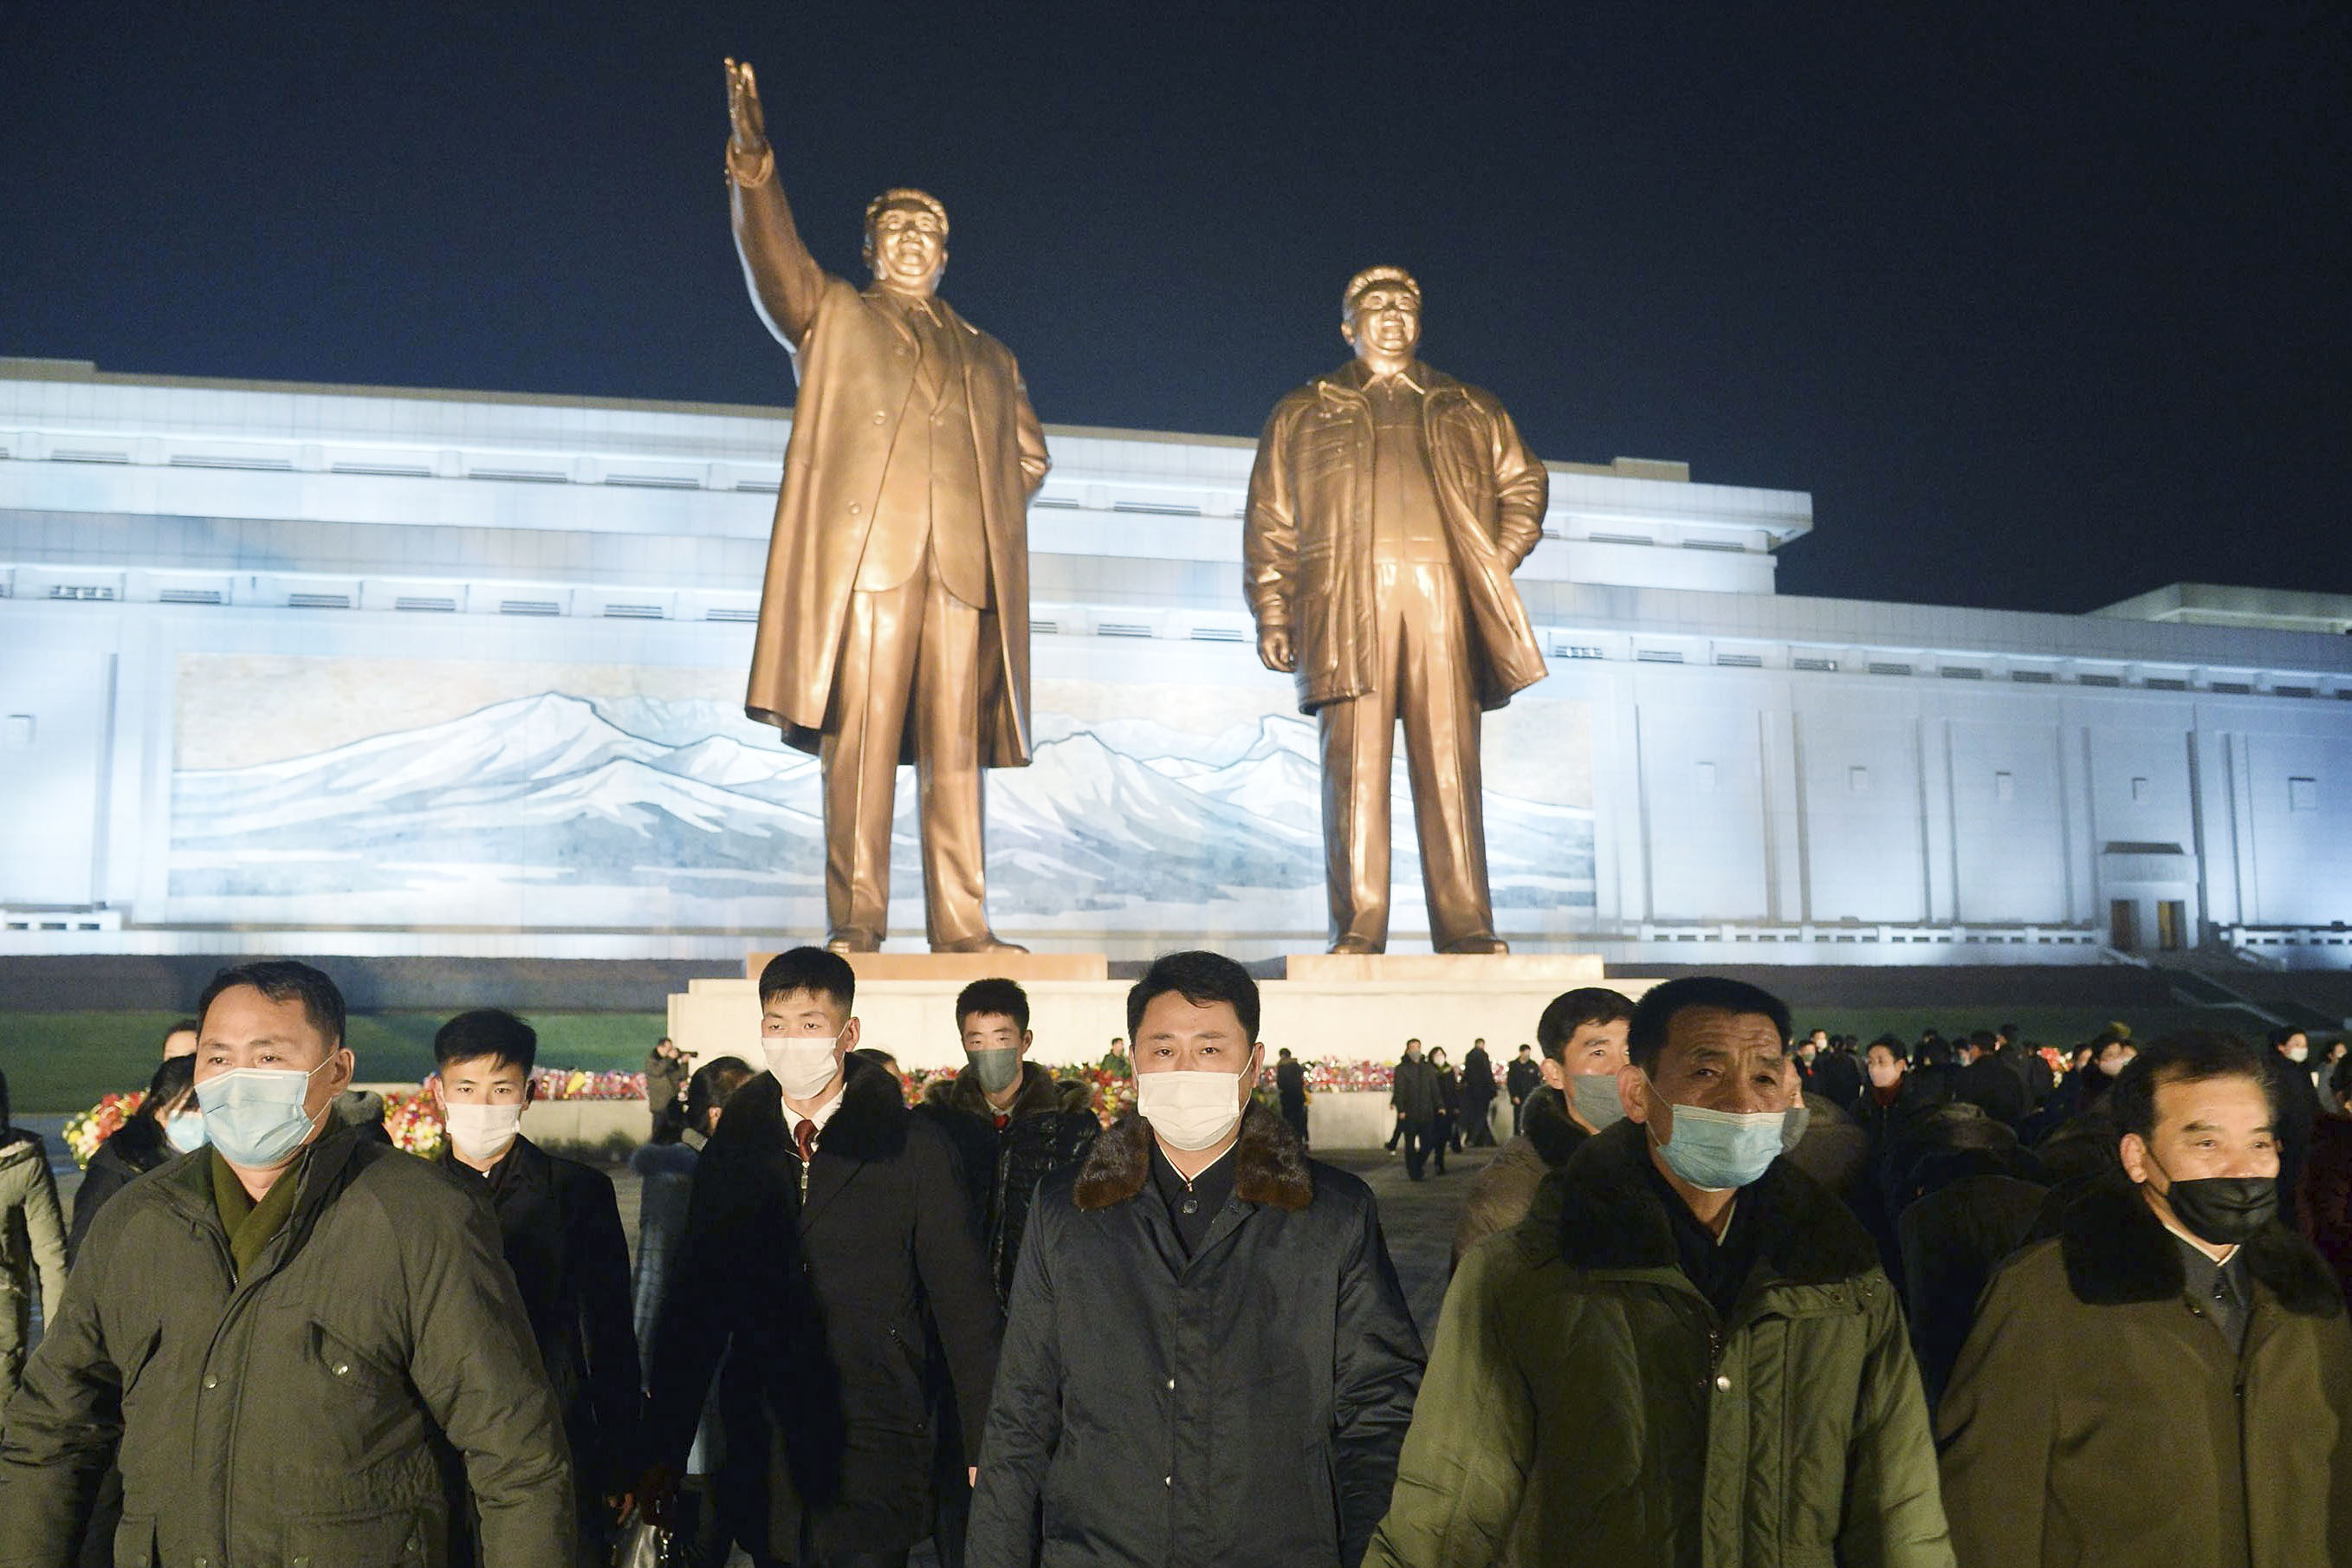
[{"x": 2170, "y": 1381}]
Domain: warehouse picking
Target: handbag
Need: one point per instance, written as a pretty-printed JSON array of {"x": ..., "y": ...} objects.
[{"x": 644, "y": 1544}]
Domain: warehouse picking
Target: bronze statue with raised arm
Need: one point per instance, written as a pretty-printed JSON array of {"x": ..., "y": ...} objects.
[
  {"x": 1388, "y": 505},
  {"x": 894, "y": 626}
]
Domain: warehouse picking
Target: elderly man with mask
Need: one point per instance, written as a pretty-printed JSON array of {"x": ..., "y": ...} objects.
[
  {"x": 1700, "y": 1359},
  {"x": 282, "y": 1332},
  {"x": 1209, "y": 1361},
  {"x": 2169, "y": 1380}
]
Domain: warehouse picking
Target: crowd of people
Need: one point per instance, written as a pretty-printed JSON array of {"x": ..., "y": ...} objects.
[{"x": 1725, "y": 1295}]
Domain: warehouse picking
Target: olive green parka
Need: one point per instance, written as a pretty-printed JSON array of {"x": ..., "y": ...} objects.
[
  {"x": 2096, "y": 1418},
  {"x": 290, "y": 1418},
  {"x": 1585, "y": 1404},
  {"x": 32, "y": 1248}
]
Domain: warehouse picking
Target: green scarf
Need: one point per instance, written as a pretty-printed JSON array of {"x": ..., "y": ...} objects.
[{"x": 250, "y": 1225}]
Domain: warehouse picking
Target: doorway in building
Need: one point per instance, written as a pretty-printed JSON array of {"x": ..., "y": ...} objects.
[
  {"x": 2171, "y": 921},
  {"x": 2123, "y": 925}
]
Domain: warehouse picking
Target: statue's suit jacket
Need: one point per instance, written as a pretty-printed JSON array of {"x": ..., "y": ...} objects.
[
  {"x": 1307, "y": 543},
  {"x": 855, "y": 384}
]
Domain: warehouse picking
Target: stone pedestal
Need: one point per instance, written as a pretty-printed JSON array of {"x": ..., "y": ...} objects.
[
  {"x": 1351, "y": 1008},
  {"x": 1562, "y": 971},
  {"x": 962, "y": 967}
]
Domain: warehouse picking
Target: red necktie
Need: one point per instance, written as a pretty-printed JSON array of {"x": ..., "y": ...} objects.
[{"x": 804, "y": 1139}]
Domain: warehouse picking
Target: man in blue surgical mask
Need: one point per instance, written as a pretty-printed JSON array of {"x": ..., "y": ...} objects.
[
  {"x": 1698, "y": 1357},
  {"x": 283, "y": 1335},
  {"x": 1582, "y": 1035}
]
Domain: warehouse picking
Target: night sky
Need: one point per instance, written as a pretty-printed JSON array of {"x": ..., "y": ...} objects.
[{"x": 2045, "y": 310}]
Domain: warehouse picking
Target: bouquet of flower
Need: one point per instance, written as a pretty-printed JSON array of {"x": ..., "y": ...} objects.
[
  {"x": 414, "y": 1122},
  {"x": 918, "y": 1081},
  {"x": 101, "y": 1122},
  {"x": 576, "y": 1083},
  {"x": 1341, "y": 1077},
  {"x": 1110, "y": 1093}
]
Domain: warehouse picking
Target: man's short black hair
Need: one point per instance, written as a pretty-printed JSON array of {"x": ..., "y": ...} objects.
[
  {"x": 183, "y": 1026},
  {"x": 2285, "y": 1032},
  {"x": 1284, "y": 1053},
  {"x": 1645, "y": 1039},
  {"x": 1571, "y": 1010},
  {"x": 1985, "y": 1040},
  {"x": 1004, "y": 997},
  {"x": 284, "y": 980},
  {"x": 1201, "y": 978},
  {"x": 2193, "y": 1057},
  {"x": 813, "y": 969},
  {"x": 1892, "y": 1046},
  {"x": 487, "y": 1032},
  {"x": 710, "y": 1087}
]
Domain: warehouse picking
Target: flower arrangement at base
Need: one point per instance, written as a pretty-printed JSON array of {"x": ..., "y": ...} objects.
[
  {"x": 578, "y": 1083},
  {"x": 101, "y": 1122},
  {"x": 414, "y": 1122}
]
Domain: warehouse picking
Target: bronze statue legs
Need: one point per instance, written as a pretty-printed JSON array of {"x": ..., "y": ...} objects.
[
  {"x": 909, "y": 660},
  {"x": 1425, "y": 677}
]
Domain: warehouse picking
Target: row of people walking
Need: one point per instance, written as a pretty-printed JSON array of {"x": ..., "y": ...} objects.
[{"x": 1180, "y": 1340}]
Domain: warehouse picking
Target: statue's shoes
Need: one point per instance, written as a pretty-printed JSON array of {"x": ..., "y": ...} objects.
[
  {"x": 988, "y": 941},
  {"x": 851, "y": 940},
  {"x": 1353, "y": 944},
  {"x": 1485, "y": 942}
]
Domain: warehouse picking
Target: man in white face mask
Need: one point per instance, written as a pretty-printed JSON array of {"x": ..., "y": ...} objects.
[
  {"x": 561, "y": 1226},
  {"x": 1209, "y": 1361},
  {"x": 831, "y": 1258}
]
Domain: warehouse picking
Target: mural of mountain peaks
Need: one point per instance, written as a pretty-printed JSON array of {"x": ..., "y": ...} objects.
[{"x": 554, "y": 811}]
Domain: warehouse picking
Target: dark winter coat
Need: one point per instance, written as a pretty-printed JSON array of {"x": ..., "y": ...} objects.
[
  {"x": 1994, "y": 1087},
  {"x": 1586, "y": 1407},
  {"x": 1413, "y": 1091},
  {"x": 1501, "y": 1195},
  {"x": 137, "y": 1148},
  {"x": 1002, "y": 1165},
  {"x": 1290, "y": 1084},
  {"x": 291, "y": 1415},
  {"x": 823, "y": 1303},
  {"x": 1239, "y": 1407},
  {"x": 2097, "y": 1419},
  {"x": 1521, "y": 1079},
  {"x": 1837, "y": 1078},
  {"x": 1478, "y": 1079},
  {"x": 2324, "y": 1206},
  {"x": 560, "y": 1226}
]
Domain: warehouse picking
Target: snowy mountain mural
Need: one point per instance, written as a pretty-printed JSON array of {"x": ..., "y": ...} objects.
[{"x": 557, "y": 811}]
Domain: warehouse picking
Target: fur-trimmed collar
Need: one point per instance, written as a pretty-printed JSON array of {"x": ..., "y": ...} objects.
[
  {"x": 1544, "y": 1122},
  {"x": 1269, "y": 1164},
  {"x": 1613, "y": 1216},
  {"x": 2117, "y": 1252},
  {"x": 1038, "y": 1094}
]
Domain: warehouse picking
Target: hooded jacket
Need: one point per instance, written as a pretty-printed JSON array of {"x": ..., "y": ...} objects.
[
  {"x": 1586, "y": 1407},
  {"x": 1239, "y": 1407},
  {"x": 2097, "y": 1419},
  {"x": 292, "y": 1414}
]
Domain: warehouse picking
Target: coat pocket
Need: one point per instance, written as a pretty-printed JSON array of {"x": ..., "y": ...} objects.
[{"x": 399, "y": 1539}]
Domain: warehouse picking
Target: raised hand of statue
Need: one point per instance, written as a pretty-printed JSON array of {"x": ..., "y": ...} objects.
[{"x": 747, "y": 123}]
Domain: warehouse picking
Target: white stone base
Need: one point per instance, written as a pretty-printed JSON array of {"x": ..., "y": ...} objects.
[{"x": 1075, "y": 1021}]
